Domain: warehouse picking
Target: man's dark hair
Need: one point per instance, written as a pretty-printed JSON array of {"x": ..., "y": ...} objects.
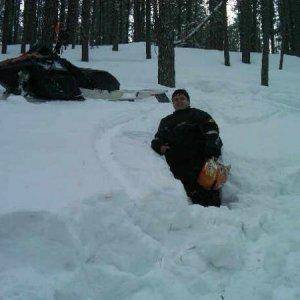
[{"x": 181, "y": 92}]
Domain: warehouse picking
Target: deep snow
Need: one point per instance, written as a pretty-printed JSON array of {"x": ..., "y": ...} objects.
[{"x": 89, "y": 211}]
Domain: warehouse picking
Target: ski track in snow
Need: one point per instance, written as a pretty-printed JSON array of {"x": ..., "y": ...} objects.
[{"x": 106, "y": 153}]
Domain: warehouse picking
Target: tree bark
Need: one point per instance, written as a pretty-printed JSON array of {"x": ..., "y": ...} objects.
[
  {"x": 245, "y": 25},
  {"x": 226, "y": 42},
  {"x": 16, "y": 21},
  {"x": 296, "y": 14},
  {"x": 216, "y": 29},
  {"x": 137, "y": 22},
  {"x": 85, "y": 29},
  {"x": 49, "y": 21},
  {"x": 271, "y": 24},
  {"x": 166, "y": 53},
  {"x": 283, "y": 33},
  {"x": 62, "y": 14},
  {"x": 266, "y": 36},
  {"x": 255, "y": 40},
  {"x": 148, "y": 29},
  {"x": 115, "y": 25},
  {"x": 25, "y": 26},
  {"x": 5, "y": 26},
  {"x": 72, "y": 21}
]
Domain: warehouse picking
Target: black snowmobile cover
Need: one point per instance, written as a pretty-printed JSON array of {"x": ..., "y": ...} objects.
[{"x": 42, "y": 74}]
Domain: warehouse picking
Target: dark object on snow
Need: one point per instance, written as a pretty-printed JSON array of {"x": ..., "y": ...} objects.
[
  {"x": 41, "y": 73},
  {"x": 193, "y": 137},
  {"x": 163, "y": 98}
]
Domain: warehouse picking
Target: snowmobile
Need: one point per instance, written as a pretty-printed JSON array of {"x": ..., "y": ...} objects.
[{"x": 41, "y": 74}]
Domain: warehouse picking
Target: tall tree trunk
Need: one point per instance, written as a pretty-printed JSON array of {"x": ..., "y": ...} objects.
[
  {"x": 156, "y": 20},
  {"x": 106, "y": 22},
  {"x": 16, "y": 21},
  {"x": 255, "y": 40},
  {"x": 5, "y": 25},
  {"x": 30, "y": 25},
  {"x": 290, "y": 25},
  {"x": 11, "y": 22},
  {"x": 115, "y": 22},
  {"x": 25, "y": 26},
  {"x": 62, "y": 14},
  {"x": 142, "y": 18},
  {"x": 296, "y": 14},
  {"x": 271, "y": 24},
  {"x": 32, "y": 22},
  {"x": 148, "y": 29},
  {"x": 49, "y": 22},
  {"x": 137, "y": 25},
  {"x": 85, "y": 29},
  {"x": 166, "y": 53},
  {"x": 72, "y": 20},
  {"x": 188, "y": 9},
  {"x": 179, "y": 19},
  {"x": 283, "y": 31},
  {"x": 97, "y": 24},
  {"x": 266, "y": 37},
  {"x": 216, "y": 27},
  {"x": 93, "y": 22},
  {"x": 124, "y": 15},
  {"x": 126, "y": 33},
  {"x": 226, "y": 42},
  {"x": 39, "y": 13},
  {"x": 245, "y": 24}
]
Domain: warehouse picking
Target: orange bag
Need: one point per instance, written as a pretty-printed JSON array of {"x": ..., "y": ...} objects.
[{"x": 213, "y": 175}]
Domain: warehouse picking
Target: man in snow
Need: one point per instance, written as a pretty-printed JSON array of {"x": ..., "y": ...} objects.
[{"x": 187, "y": 138}]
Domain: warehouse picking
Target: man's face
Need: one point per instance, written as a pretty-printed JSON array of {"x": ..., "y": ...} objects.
[{"x": 180, "y": 101}]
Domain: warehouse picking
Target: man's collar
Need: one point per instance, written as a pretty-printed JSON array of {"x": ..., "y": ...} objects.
[{"x": 181, "y": 110}]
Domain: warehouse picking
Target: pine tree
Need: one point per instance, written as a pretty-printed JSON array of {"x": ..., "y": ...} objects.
[
  {"x": 216, "y": 27},
  {"x": 137, "y": 23},
  {"x": 72, "y": 20},
  {"x": 296, "y": 13},
  {"x": 225, "y": 32},
  {"x": 166, "y": 53},
  {"x": 283, "y": 31},
  {"x": 179, "y": 17},
  {"x": 115, "y": 24},
  {"x": 62, "y": 13},
  {"x": 25, "y": 26},
  {"x": 32, "y": 22},
  {"x": 50, "y": 12},
  {"x": 16, "y": 20},
  {"x": 271, "y": 24},
  {"x": 124, "y": 12},
  {"x": 255, "y": 40},
  {"x": 148, "y": 29},
  {"x": 5, "y": 25},
  {"x": 266, "y": 37},
  {"x": 245, "y": 24},
  {"x": 85, "y": 29}
]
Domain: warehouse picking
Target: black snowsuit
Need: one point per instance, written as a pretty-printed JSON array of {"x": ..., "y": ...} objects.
[{"x": 193, "y": 137}]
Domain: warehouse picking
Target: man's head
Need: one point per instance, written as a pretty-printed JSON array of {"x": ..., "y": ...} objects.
[{"x": 180, "y": 99}]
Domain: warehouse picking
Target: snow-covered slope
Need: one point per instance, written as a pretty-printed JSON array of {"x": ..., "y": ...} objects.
[{"x": 89, "y": 211}]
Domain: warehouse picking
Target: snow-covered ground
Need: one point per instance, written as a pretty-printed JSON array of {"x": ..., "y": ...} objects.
[{"x": 89, "y": 211}]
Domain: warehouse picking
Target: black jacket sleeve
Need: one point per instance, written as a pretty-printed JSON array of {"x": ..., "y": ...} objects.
[
  {"x": 213, "y": 142},
  {"x": 159, "y": 138}
]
